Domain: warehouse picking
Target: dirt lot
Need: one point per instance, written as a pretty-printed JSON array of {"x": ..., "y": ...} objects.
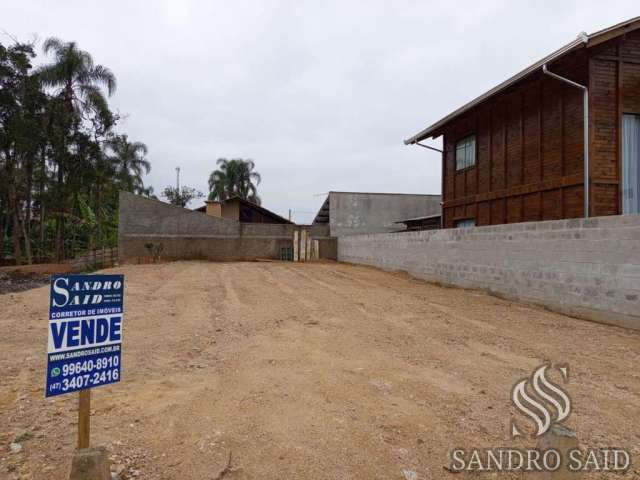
[
  {"x": 308, "y": 371},
  {"x": 16, "y": 282}
]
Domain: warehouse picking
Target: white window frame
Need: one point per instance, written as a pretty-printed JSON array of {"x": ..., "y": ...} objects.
[
  {"x": 466, "y": 152},
  {"x": 630, "y": 163}
]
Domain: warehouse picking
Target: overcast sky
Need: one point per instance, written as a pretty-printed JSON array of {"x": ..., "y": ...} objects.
[{"x": 319, "y": 94}]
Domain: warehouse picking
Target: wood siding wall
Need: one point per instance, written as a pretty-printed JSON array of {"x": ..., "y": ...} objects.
[
  {"x": 529, "y": 142},
  {"x": 615, "y": 90}
]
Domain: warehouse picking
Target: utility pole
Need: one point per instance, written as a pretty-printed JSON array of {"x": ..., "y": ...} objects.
[
  {"x": 178, "y": 179},
  {"x": 289, "y": 214}
]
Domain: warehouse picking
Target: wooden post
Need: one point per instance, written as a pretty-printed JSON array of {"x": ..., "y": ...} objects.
[
  {"x": 303, "y": 245},
  {"x": 295, "y": 245},
  {"x": 308, "y": 249},
  {"x": 84, "y": 418}
]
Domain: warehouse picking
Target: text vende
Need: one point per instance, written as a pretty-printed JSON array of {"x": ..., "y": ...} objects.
[{"x": 78, "y": 333}]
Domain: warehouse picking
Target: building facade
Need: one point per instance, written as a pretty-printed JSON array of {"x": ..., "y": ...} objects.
[
  {"x": 517, "y": 153},
  {"x": 240, "y": 210},
  {"x": 356, "y": 213}
]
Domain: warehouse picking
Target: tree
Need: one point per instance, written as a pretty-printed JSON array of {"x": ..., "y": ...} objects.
[
  {"x": 76, "y": 80},
  {"x": 61, "y": 164},
  {"x": 181, "y": 197},
  {"x": 78, "y": 99},
  {"x": 233, "y": 178},
  {"x": 148, "y": 192},
  {"x": 129, "y": 162},
  {"x": 21, "y": 106}
]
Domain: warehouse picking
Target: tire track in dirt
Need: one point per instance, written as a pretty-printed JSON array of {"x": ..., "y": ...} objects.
[
  {"x": 490, "y": 330},
  {"x": 277, "y": 278},
  {"x": 371, "y": 302}
]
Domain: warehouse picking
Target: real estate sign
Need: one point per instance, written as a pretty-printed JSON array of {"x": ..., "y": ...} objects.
[{"x": 85, "y": 332}]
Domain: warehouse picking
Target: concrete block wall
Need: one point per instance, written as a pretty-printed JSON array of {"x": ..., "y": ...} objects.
[
  {"x": 133, "y": 248},
  {"x": 144, "y": 216},
  {"x": 352, "y": 213},
  {"x": 586, "y": 268}
]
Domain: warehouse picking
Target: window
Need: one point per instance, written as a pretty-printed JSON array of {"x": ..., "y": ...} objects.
[
  {"x": 464, "y": 223},
  {"x": 466, "y": 152},
  {"x": 631, "y": 164}
]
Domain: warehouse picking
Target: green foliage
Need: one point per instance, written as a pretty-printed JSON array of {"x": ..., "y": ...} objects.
[
  {"x": 181, "y": 197},
  {"x": 88, "y": 218},
  {"x": 129, "y": 162},
  {"x": 61, "y": 162},
  {"x": 234, "y": 178},
  {"x": 148, "y": 192}
]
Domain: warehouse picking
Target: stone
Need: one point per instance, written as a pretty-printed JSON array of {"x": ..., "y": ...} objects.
[
  {"x": 15, "y": 447},
  {"x": 90, "y": 464},
  {"x": 563, "y": 440},
  {"x": 409, "y": 474},
  {"x": 118, "y": 469}
]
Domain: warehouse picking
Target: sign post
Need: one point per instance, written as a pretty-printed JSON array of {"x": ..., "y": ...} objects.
[
  {"x": 85, "y": 339},
  {"x": 84, "y": 419}
]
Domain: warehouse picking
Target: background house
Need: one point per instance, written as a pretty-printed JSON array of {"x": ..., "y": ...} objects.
[
  {"x": 241, "y": 210},
  {"x": 352, "y": 213},
  {"x": 516, "y": 153},
  {"x": 426, "y": 222}
]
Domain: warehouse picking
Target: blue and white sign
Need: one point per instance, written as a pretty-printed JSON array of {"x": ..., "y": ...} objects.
[{"x": 85, "y": 332}]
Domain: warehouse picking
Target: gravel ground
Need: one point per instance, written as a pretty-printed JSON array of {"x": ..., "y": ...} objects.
[{"x": 307, "y": 371}]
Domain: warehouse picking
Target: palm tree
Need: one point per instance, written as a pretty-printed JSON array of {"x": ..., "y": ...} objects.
[
  {"x": 234, "y": 178},
  {"x": 75, "y": 78},
  {"x": 129, "y": 162},
  {"x": 76, "y": 83},
  {"x": 149, "y": 192}
]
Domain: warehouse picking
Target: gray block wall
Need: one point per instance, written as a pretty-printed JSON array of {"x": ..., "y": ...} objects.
[
  {"x": 356, "y": 213},
  {"x": 586, "y": 268},
  {"x": 144, "y": 216},
  {"x": 187, "y": 235}
]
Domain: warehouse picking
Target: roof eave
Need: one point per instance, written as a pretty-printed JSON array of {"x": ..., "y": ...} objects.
[
  {"x": 433, "y": 130},
  {"x": 583, "y": 40}
]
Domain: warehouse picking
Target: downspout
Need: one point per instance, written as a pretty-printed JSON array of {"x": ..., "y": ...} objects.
[
  {"x": 585, "y": 100},
  {"x": 442, "y": 176}
]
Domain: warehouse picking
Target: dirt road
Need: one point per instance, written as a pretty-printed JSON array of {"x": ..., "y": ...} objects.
[{"x": 307, "y": 371}]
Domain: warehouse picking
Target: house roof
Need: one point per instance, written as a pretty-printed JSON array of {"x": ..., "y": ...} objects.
[
  {"x": 415, "y": 219},
  {"x": 584, "y": 40},
  {"x": 249, "y": 204},
  {"x": 261, "y": 209},
  {"x": 323, "y": 214}
]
